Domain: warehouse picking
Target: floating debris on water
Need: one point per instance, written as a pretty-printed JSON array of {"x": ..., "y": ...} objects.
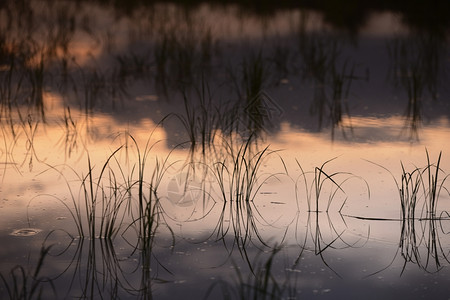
[{"x": 25, "y": 232}]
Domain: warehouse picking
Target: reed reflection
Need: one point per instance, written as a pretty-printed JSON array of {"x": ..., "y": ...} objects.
[
  {"x": 95, "y": 70},
  {"x": 417, "y": 67},
  {"x": 23, "y": 282},
  {"x": 318, "y": 187},
  {"x": 265, "y": 281},
  {"x": 237, "y": 181},
  {"x": 332, "y": 78},
  {"x": 422, "y": 245}
]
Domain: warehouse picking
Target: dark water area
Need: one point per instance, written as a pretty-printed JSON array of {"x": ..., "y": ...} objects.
[{"x": 224, "y": 150}]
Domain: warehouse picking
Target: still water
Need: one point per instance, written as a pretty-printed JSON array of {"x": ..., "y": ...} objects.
[{"x": 209, "y": 151}]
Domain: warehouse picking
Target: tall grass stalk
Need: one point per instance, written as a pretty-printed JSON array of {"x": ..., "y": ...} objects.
[
  {"x": 419, "y": 193},
  {"x": 238, "y": 175},
  {"x": 148, "y": 218},
  {"x": 421, "y": 186}
]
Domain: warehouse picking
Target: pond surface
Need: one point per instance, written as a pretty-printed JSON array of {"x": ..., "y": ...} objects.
[{"x": 223, "y": 151}]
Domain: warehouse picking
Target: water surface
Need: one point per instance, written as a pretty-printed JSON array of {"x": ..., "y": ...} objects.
[{"x": 218, "y": 151}]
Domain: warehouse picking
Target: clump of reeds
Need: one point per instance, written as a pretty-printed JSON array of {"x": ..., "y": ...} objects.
[
  {"x": 238, "y": 175},
  {"x": 322, "y": 179},
  {"x": 201, "y": 118},
  {"x": 107, "y": 197},
  {"x": 421, "y": 184},
  {"x": 98, "y": 207},
  {"x": 149, "y": 208},
  {"x": 238, "y": 179},
  {"x": 323, "y": 186},
  {"x": 147, "y": 213},
  {"x": 419, "y": 192}
]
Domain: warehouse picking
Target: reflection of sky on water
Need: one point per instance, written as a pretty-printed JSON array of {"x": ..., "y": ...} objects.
[
  {"x": 196, "y": 266},
  {"x": 389, "y": 116},
  {"x": 275, "y": 202}
]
